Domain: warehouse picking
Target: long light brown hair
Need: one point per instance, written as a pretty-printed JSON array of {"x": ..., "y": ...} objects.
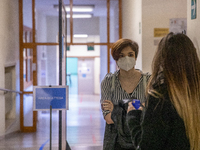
[{"x": 177, "y": 59}]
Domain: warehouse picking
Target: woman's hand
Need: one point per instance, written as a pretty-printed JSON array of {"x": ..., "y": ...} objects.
[
  {"x": 107, "y": 105},
  {"x": 108, "y": 119},
  {"x": 130, "y": 107}
]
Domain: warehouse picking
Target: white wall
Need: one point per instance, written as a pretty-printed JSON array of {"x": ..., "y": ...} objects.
[
  {"x": 131, "y": 20},
  {"x": 140, "y": 17},
  {"x": 9, "y": 49},
  {"x": 156, "y": 14},
  {"x": 193, "y": 25}
]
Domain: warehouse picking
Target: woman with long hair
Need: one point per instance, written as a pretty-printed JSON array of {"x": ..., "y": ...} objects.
[{"x": 171, "y": 116}]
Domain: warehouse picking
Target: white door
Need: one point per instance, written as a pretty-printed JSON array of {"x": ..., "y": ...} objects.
[{"x": 85, "y": 75}]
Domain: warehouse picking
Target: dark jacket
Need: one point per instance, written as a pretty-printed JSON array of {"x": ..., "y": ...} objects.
[
  {"x": 118, "y": 132},
  {"x": 161, "y": 128}
]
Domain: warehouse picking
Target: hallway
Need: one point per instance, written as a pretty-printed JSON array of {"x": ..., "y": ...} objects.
[
  {"x": 85, "y": 123},
  {"x": 85, "y": 128}
]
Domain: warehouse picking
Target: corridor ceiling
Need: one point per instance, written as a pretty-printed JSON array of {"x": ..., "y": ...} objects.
[{"x": 47, "y": 6}]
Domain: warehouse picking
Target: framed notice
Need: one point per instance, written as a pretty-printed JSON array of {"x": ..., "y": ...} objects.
[{"x": 55, "y": 96}]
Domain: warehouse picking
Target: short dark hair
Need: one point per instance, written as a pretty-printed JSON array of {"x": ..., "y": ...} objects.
[{"x": 120, "y": 44}]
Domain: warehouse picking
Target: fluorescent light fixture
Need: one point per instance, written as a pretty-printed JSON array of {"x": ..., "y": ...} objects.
[
  {"x": 80, "y": 16},
  {"x": 84, "y": 8},
  {"x": 80, "y": 8},
  {"x": 80, "y": 35}
]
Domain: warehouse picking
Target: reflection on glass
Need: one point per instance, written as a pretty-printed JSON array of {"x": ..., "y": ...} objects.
[
  {"x": 48, "y": 65},
  {"x": 46, "y": 21}
]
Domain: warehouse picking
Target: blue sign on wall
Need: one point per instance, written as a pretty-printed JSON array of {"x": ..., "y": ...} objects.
[
  {"x": 44, "y": 97},
  {"x": 193, "y": 9}
]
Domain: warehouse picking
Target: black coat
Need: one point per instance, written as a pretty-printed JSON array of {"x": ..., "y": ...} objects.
[
  {"x": 118, "y": 132},
  {"x": 160, "y": 129}
]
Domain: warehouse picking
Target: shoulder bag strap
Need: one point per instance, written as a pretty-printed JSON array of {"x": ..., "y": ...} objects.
[
  {"x": 144, "y": 80},
  {"x": 113, "y": 83},
  {"x": 112, "y": 86}
]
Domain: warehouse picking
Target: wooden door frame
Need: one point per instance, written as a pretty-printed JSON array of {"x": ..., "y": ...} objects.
[{"x": 23, "y": 46}]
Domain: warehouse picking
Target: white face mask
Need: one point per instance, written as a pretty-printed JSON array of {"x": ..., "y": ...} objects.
[{"x": 126, "y": 63}]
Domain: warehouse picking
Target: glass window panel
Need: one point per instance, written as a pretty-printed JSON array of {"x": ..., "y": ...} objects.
[
  {"x": 27, "y": 21},
  {"x": 27, "y": 69},
  {"x": 94, "y": 28},
  {"x": 64, "y": 22},
  {"x": 114, "y": 21},
  {"x": 113, "y": 65},
  {"x": 72, "y": 74},
  {"x": 103, "y": 62},
  {"x": 46, "y": 21},
  {"x": 67, "y": 3},
  {"x": 48, "y": 65},
  {"x": 28, "y": 110},
  {"x": 68, "y": 31},
  {"x": 47, "y": 17}
]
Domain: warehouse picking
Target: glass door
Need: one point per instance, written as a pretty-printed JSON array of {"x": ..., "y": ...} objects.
[{"x": 39, "y": 43}]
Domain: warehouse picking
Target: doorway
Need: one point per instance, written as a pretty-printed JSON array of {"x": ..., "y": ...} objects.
[
  {"x": 10, "y": 97},
  {"x": 102, "y": 29},
  {"x": 85, "y": 76}
]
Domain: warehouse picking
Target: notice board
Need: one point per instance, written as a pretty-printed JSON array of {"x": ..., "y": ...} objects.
[{"x": 55, "y": 96}]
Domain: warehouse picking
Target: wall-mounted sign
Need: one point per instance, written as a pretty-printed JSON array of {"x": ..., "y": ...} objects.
[
  {"x": 160, "y": 32},
  {"x": 178, "y": 25},
  {"x": 90, "y": 48},
  {"x": 55, "y": 96},
  {"x": 193, "y": 9}
]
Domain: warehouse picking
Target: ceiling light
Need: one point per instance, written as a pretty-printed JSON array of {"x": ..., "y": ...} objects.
[
  {"x": 80, "y": 16},
  {"x": 85, "y": 8},
  {"x": 80, "y": 8},
  {"x": 80, "y": 35}
]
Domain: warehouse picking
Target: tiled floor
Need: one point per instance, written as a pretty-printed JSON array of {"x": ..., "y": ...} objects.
[{"x": 85, "y": 128}]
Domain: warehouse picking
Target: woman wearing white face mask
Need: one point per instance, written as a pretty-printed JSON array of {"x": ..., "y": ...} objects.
[{"x": 125, "y": 83}]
